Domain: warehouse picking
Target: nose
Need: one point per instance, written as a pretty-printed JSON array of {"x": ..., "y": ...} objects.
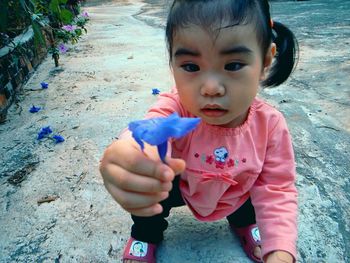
[{"x": 212, "y": 87}]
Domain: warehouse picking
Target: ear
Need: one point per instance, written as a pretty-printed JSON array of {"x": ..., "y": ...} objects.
[{"x": 270, "y": 54}]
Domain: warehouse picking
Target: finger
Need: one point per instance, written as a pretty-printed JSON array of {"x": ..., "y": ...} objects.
[
  {"x": 128, "y": 181},
  {"x": 177, "y": 165},
  {"x": 130, "y": 200},
  {"x": 147, "y": 211},
  {"x": 128, "y": 156},
  {"x": 143, "y": 165}
]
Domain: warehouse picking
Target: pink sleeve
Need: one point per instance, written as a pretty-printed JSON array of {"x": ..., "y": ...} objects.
[
  {"x": 274, "y": 194},
  {"x": 166, "y": 104}
]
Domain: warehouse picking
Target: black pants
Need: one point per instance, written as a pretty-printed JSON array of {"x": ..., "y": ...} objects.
[{"x": 150, "y": 229}]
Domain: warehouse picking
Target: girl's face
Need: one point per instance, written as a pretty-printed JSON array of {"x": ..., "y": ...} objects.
[{"x": 217, "y": 76}]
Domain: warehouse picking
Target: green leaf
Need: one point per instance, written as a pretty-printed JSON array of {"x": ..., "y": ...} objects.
[
  {"x": 55, "y": 7},
  {"x": 66, "y": 16},
  {"x": 63, "y": 2},
  {"x": 78, "y": 32},
  {"x": 38, "y": 34}
]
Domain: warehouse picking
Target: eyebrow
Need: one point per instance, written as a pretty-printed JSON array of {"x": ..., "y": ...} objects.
[
  {"x": 186, "y": 52},
  {"x": 236, "y": 50},
  {"x": 232, "y": 50}
]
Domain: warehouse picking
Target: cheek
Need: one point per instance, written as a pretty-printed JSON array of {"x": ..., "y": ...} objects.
[
  {"x": 178, "y": 77},
  {"x": 259, "y": 71},
  {"x": 252, "y": 79},
  {"x": 185, "y": 86},
  {"x": 188, "y": 98}
]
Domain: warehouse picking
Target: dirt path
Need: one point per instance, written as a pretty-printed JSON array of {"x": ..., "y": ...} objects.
[{"x": 104, "y": 82}]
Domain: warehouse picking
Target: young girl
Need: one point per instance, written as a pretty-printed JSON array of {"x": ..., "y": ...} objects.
[{"x": 238, "y": 163}]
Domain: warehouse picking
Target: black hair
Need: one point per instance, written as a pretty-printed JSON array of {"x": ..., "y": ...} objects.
[{"x": 210, "y": 13}]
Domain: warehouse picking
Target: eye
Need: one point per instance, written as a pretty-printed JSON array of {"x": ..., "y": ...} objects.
[
  {"x": 234, "y": 66},
  {"x": 190, "y": 67}
]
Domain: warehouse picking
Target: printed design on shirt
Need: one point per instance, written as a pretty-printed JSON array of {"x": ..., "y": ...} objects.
[
  {"x": 256, "y": 234},
  {"x": 138, "y": 248},
  {"x": 209, "y": 159},
  {"x": 221, "y": 154},
  {"x": 231, "y": 163},
  {"x": 220, "y": 158}
]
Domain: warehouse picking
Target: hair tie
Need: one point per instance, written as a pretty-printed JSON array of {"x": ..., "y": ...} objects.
[{"x": 271, "y": 23}]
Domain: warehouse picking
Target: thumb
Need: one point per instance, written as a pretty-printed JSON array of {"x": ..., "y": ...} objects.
[{"x": 177, "y": 165}]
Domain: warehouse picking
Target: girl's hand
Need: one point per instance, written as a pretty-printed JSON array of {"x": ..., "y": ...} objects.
[
  {"x": 138, "y": 180},
  {"x": 279, "y": 256}
]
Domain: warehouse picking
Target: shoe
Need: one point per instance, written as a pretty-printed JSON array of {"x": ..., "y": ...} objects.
[
  {"x": 139, "y": 251},
  {"x": 250, "y": 239}
]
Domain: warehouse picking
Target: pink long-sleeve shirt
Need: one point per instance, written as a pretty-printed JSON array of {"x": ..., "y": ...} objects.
[{"x": 226, "y": 166}]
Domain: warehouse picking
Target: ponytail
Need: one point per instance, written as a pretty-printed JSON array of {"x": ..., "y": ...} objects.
[{"x": 286, "y": 57}]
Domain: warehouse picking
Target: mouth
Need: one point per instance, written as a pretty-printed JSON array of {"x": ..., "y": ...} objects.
[{"x": 213, "y": 110}]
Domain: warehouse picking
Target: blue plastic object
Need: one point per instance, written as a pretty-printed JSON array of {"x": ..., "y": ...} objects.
[{"x": 157, "y": 131}]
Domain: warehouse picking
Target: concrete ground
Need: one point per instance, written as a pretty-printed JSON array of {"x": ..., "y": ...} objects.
[{"x": 105, "y": 81}]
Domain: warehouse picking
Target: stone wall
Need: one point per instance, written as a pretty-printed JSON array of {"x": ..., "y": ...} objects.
[{"x": 17, "y": 61}]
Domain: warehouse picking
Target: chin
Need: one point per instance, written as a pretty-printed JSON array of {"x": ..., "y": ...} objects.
[
  {"x": 224, "y": 124},
  {"x": 215, "y": 122}
]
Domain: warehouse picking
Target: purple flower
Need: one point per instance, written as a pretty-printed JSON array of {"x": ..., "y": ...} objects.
[
  {"x": 34, "y": 109},
  {"x": 85, "y": 14},
  {"x": 155, "y": 91},
  {"x": 62, "y": 48},
  {"x": 69, "y": 28},
  {"x": 40, "y": 136},
  {"x": 44, "y": 132},
  {"x": 58, "y": 138},
  {"x": 157, "y": 131},
  {"x": 44, "y": 85}
]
